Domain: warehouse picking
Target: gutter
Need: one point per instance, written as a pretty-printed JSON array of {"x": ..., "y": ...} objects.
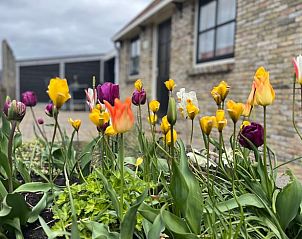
[{"x": 140, "y": 20}]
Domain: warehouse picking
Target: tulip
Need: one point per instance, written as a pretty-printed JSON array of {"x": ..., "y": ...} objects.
[
  {"x": 165, "y": 126},
  {"x": 91, "y": 98},
  {"x": 152, "y": 119},
  {"x": 138, "y": 85},
  {"x": 220, "y": 120},
  {"x": 245, "y": 123},
  {"x": 206, "y": 124},
  {"x": 139, "y": 97},
  {"x": 40, "y": 120},
  {"x": 154, "y": 106},
  {"x": 121, "y": 115},
  {"x": 58, "y": 91},
  {"x": 98, "y": 117},
  {"x": 264, "y": 93},
  {"x": 29, "y": 98},
  {"x": 253, "y": 133},
  {"x": 49, "y": 109},
  {"x": 108, "y": 92},
  {"x": 14, "y": 110},
  {"x": 298, "y": 68},
  {"x": 169, "y": 138},
  {"x": 110, "y": 131},
  {"x": 170, "y": 84},
  {"x": 75, "y": 123},
  {"x": 192, "y": 110},
  {"x": 246, "y": 110},
  {"x": 235, "y": 110},
  {"x": 220, "y": 92}
]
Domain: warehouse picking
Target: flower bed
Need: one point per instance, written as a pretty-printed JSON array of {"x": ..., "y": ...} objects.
[{"x": 55, "y": 188}]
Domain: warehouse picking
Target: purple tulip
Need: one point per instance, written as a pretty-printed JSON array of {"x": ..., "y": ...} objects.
[
  {"x": 40, "y": 120},
  {"x": 108, "y": 91},
  {"x": 139, "y": 97},
  {"x": 254, "y": 133},
  {"x": 103, "y": 127},
  {"x": 14, "y": 110},
  {"x": 29, "y": 98},
  {"x": 49, "y": 109}
]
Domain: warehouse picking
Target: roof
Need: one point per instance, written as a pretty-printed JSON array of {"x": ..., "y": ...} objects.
[{"x": 149, "y": 11}]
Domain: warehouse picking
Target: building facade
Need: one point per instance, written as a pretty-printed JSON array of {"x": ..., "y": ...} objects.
[{"x": 198, "y": 43}]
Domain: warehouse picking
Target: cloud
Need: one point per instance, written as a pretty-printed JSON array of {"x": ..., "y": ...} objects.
[{"x": 36, "y": 28}]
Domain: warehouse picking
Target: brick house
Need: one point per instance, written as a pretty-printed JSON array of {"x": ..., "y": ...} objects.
[{"x": 198, "y": 43}]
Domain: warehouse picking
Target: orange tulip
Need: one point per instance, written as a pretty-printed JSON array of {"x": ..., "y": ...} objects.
[{"x": 121, "y": 115}]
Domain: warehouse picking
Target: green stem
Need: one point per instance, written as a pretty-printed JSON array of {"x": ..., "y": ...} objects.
[
  {"x": 192, "y": 129},
  {"x": 10, "y": 156},
  {"x": 264, "y": 153},
  {"x": 172, "y": 143},
  {"x": 140, "y": 117},
  {"x": 38, "y": 126},
  {"x": 220, "y": 149},
  {"x": 121, "y": 166},
  {"x": 293, "y": 113},
  {"x": 234, "y": 149},
  {"x": 50, "y": 159}
]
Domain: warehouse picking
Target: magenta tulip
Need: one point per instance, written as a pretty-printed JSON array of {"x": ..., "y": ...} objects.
[
  {"x": 29, "y": 98},
  {"x": 108, "y": 91},
  {"x": 252, "y": 133}
]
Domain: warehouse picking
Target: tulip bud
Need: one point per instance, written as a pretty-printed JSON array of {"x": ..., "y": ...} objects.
[
  {"x": 14, "y": 110},
  {"x": 172, "y": 113},
  {"x": 29, "y": 98},
  {"x": 139, "y": 97},
  {"x": 109, "y": 92},
  {"x": 49, "y": 109},
  {"x": 138, "y": 85},
  {"x": 40, "y": 120},
  {"x": 252, "y": 133},
  {"x": 206, "y": 124}
]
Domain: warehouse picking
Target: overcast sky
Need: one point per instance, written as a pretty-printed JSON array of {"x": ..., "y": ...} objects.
[{"x": 39, "y": 28}]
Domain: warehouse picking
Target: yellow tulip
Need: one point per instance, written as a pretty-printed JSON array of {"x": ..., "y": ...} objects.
[
  {"x": 165, "y": 126},
  {"x": 110, "y": 131},
  {"x": 245, "y": 123},
  {"x": 192, "y": 110},
  {"x": 170, "y": 84},
  {"x": 154, "y": 106},
  {"x": 152, "y": 118},
  {"x": 206, "y": 124},
  {"x": 138, "y": 85},
  {"x": 139, "y": 161},
  {"x": 235, "y": 110},
  {"x": 99, "y": 118},
  {"x": 75, "y": 123},
  {"x": 58, "y": 91},
  {"x": 169, "y": 139},
  {"x": 220, "y": 92},
  {"x": 220, "y": 120},
  {"x": 264, "y": 92}
]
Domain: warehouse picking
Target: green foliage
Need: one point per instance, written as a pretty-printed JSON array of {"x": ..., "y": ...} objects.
[{"x": 93, "y": 203}]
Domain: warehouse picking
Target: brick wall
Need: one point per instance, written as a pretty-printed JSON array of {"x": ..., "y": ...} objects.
[{"x": 268, "y": 33}]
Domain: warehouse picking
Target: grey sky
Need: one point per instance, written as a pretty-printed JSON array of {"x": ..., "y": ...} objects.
[{"x": 38, "y": 28}]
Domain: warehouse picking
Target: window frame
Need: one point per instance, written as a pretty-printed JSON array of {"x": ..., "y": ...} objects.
[
  {"x": 201, "y": 3},
  {"x": 135, "y": 57}
]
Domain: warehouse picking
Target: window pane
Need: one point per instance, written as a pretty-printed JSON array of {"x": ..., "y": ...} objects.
[
  {"x": 226, "y": 10},
  {"x": 138, "y": 47},
  {"x": 206, "y": 45},
  {"x": 225, "y": 39},
  {"x": 135, "y": 48},
  {"x": 207, "y": 16}
]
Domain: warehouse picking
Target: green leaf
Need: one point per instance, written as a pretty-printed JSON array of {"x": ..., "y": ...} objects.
[
  {"x": 22, "y": 169},
  {"x": 17, "y": 140},
  {"x": 112, "y": 194},
  {"x": 3, "y": 191},
  {"x": 148, "y": 212},
  {"x": 129, "y": 220},
  {"x": 244, "y": 200},
  {"x": 100, "y": 231},
  {"x": 186, "y": 191},
  {"x": 4, "y": 162},
  {"x": 288, "y": 201},
  {"x": 41, "y": 205},
  {"x": 157, "y": 227},
  {"x": 34, "y": 187},
  {"x": 51, "y": 234}
]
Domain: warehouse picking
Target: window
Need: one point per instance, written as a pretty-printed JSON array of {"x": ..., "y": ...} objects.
[
  {"x": 216, "y": 29},
  {"x": 134, "y": 56}
]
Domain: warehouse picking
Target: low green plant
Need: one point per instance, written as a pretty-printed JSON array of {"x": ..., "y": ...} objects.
[{"x": 93, "y": 203}]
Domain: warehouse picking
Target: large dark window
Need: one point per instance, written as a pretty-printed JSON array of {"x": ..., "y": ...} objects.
[
  {"x": 134, "y": 56},
  {"x": 216, "y": 29}
]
